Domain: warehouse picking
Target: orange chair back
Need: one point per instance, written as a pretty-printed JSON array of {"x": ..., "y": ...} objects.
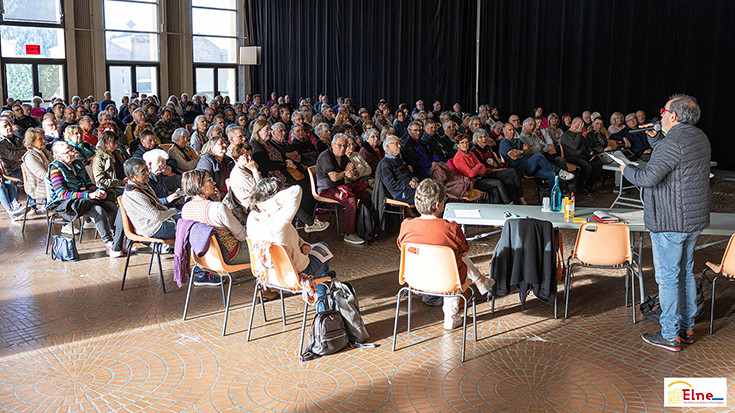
[
  {"x": 603, "y": 244},
  {"x": 212, "y": 259},
  {"x": 430, "y": 268},
  {"x": 728, "y": 260},
  {"x": 285, "y": 274},
  {"x": 127, "y": 225},
  {"x": 312, "y": 180}
]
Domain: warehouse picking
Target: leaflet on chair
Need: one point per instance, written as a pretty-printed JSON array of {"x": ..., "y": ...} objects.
[{"x": 321, "y": 252}]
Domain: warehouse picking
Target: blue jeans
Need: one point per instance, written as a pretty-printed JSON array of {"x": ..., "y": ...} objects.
[
  {"x": 673, "y": 259},
  {"x": 8, "y": 191},
  {"x": 316, "y": 268},
  {"x": 167, "y": 231},
  {"x": 540, "y": 167}
]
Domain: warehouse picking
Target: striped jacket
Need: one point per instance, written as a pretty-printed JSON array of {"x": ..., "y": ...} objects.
[{"x": 66, "y": 181}]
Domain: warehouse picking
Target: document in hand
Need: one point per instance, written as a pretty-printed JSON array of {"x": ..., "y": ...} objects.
[
  {"x": 620, "y": 161},
  {"x": 602, "y": 216},
  {"x": 321, "y": 252}
]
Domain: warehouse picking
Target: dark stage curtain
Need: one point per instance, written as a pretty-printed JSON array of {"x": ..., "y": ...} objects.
[
  {"x": 607, "y": 56},
  {"x": 398, "y": 50},
  {"x": 562, "y": 55}
]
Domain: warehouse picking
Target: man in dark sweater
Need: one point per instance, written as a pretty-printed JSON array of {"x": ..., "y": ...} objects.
[
  {"x": 576, "y": 152},
  {"x": 394, "y": 172},
  {"x": 676, "y": 210},
  {"x": 416, "y": 152}
]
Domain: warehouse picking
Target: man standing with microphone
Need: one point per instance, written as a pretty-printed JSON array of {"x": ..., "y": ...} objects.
[{"x": 676, "y": 210}]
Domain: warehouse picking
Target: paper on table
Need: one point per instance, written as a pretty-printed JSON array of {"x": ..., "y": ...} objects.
[
  {"x": 467, "y": 213},
  {"x": 623, "y": 161}
]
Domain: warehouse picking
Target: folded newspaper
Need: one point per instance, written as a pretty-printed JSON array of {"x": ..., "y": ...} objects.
[
  {"x": 321, "y": 252},
  {"x": 619, "y": 160},
  {"x": 603, "y": 216}
]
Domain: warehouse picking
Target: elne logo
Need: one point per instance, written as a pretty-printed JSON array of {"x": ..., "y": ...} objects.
[{"x": 690, "y": 391}]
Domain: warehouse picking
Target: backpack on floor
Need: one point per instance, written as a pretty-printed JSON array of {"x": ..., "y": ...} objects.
[
  {"x": 366, "y": 223},
  {"x": 344, "y": 300},
  {"x": 64, "y": 249},
  {"x": 327, "y": 335},
  {"x": 651, "y": 308}
]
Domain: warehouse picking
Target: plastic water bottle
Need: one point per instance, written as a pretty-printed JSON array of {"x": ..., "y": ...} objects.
[{"x": 556, "y": 196}]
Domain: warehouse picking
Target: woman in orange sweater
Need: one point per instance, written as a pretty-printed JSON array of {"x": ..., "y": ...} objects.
[{"x": 467, "y": 164}]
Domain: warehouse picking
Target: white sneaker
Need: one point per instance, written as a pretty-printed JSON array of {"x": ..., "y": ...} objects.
[
  {"x": 565, "y": 175},
  {"x": 354, "y": 239},
  {"x": 316, "y": 226},
  {"x": 450, "y": 323},
  {"x": 89, "y": 224},
  {"x": 112, "y": 253},
  {"x": 67, "y": 229}
]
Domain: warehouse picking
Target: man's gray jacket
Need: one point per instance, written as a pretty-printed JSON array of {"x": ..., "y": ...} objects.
[{"x": 676, "y": 181}]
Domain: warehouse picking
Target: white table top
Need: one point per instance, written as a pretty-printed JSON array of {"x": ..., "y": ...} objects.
[{"x": 493, "y": 214}]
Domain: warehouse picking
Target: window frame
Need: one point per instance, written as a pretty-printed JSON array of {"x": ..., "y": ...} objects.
[
  {"x": 133, "y": 74},
  {"x": 215, "y": 79}
]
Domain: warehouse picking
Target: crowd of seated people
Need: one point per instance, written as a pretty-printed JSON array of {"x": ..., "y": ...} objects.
[{"x": 141, "y": 147}]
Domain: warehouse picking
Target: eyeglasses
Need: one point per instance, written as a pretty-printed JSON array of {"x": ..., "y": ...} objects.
[
  {"x": 141, "y": 173},
  {"x": 414, "y": 130},
  {"x": 664, "y": 110},
  {"x": 209, "y": 178},
  {"x": 340, "y": 145},
  {"x": 394, "y": 143}
]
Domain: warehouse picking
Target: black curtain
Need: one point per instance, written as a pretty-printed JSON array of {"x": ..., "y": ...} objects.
[
  {"x": 607, "y": 56},
  {"x": 562, "y": 55},
  {"x": 365, "y": 49}
]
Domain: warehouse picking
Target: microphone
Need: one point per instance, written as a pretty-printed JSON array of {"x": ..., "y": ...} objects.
[{"x": 656, "y": 127}]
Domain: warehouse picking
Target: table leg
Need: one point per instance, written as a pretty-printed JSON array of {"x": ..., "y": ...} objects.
[{"x": 640, "y": 264}]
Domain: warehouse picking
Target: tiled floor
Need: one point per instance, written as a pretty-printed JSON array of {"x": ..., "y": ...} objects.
[{"x": 70, "y": 340}]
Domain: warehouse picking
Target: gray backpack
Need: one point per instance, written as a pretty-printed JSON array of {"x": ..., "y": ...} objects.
[
  {"x": 344, "y": 300},
  {"x": 327, "y": 335}
]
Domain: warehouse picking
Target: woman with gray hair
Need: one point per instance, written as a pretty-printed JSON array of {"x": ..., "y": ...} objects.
[
  {"x": 107, "y": 166},
  {"x": 185, "y": 156},
  {"x": 273, "y": 211},
  {"x": 199, "y": 134},
  {"x": 430, "y": 229}
]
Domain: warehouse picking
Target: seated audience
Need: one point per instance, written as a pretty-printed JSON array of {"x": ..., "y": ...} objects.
[
  {"x": 617, "y": 123},
  {"x": 578, "y": 153},
  {"x": 485, "y": 150},
  {"x": 199, "y": 135},
  {"x": 596, "y": 141},
  {"x": 36, "y": 161},
  {"x": 553, "y": 130},
  {"x": 87, "y": 125},
  {"x": 107, "y": 166},
  {"x": 217, "y": 163},
  {"x": 302, "y": 145},
  {"x": 72, "y": 194},
  {"x": 416, "y": 152},
  {"x": 85, "y": 151},
  {"x": 243, "y": 178},
  {"x": 165, "y": 127},
  {"x": 430, "y": 229},
  {"x": 636, "y": 142},
  {"x": 333, "y": 168},
  {"x": 467, "y": 164},
  {"x": 370, "y": 150},
  {"x": 393, "y": 172},
  {"x": 519, "y": 155},
  {"x": 271, "y": 220},
  {"x": 185, "y": 156},
  {"x": 324, "y": 134},
  {"x": 537, "y": 144},
  {"x": 156, "y": 162},
  {"x": 361, "y": 166},
  {"x": 146, "y": 213},
  {"x": 441, "y": 146},
  {"x": 170, "y": 172},
  {"x": 205, "y": 207}
]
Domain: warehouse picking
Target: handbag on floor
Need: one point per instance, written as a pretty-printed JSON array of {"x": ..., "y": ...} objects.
[{"x": 64, "y": 249}]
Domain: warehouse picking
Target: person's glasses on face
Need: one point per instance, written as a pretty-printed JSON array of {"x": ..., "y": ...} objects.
[
  {"x": 340, "y": 145},
  {"x": 415, "y": 130},
  {"x": 208, "y": 179}
]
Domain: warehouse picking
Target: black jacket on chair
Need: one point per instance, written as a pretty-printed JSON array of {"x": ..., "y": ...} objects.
[{"x": 525, "y": 258}]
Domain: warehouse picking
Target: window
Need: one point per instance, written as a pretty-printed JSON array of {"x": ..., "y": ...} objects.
[
  {"x": 33, "y": 49},
  {"x": 131, "y": 46},
  {"x": 214, "y": 28}
]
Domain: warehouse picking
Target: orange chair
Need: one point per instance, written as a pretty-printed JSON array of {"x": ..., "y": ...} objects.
[
  {"x": 472, "y": 196},
  {"x": 166, "y": 146},
  {"x": 570, "y": 166},
  {"x": 284, "y": 278},
  {"x": 602, "y": 246},
  {"x": 332, "y": 204},
  {"x": 725, "y": 269},
  {"x": 431, "y": 270},
  {"x": 213, "y": 261},
  {"x": 156, "y": 245}
]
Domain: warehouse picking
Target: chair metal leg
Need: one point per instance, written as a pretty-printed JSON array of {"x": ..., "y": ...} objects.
[
  {"x": 336, "y": 220},
  {"x": 188, "y": 291},
  {"x": 127, "y": 263},
  {"x": 464, "y": 325},
  {"x": 25, "y": 217},
  {"x": 409, "y": 311},
  {"x": 492, "y": 307},
  {"x": 627, "y": 275},
  {"x": 252, "y": 310},
  {"x": 262, "y": 305},
  {"x": 712, "y": 304},
  {"x": 48, "y": 235},
  {"x": 150, "y": 265},
  {"x": 303, "y": 329},
  {"x": 632, "y": 288},
  {"x": 567, "y": 289},
  {"x": 395, "y": 322},
  {"x": 81, "y": 230},
  {"x": 474, "y": 314},
  {"x": 160, "y": 267},
  {"x": 227, "y": 302},
  {"x": 283, "y": 307}
]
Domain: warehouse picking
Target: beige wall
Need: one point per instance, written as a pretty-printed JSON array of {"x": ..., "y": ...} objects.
[{"x": 85, "y": 48}]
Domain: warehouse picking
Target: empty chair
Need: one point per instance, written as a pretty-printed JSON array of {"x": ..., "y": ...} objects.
[
  {"x": 604, "y": 246},
  {"x": 431, "y": 270}
]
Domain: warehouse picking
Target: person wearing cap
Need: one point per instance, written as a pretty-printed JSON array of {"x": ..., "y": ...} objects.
[
  {"x": 676, "y": 210},
  {"x": 636, "y": 142}
]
